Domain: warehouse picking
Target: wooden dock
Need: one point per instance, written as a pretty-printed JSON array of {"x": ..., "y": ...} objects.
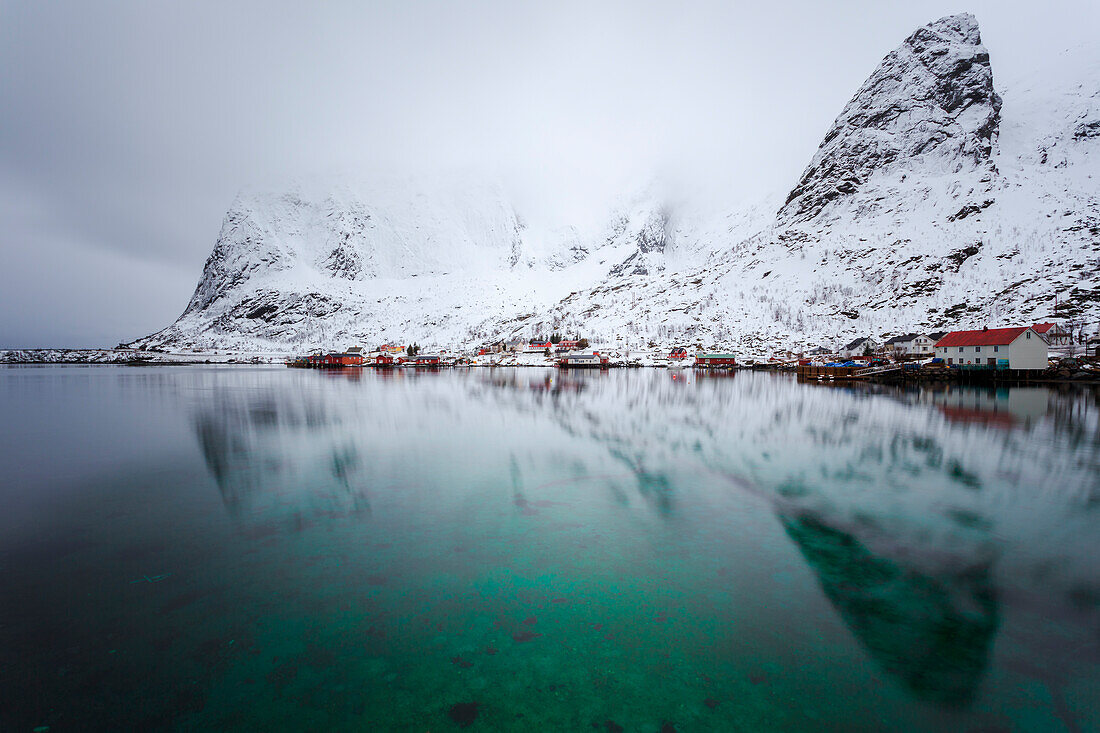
[{"x": 812, "y": 373}]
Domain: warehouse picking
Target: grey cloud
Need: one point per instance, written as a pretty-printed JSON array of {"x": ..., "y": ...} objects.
[{"x": 131, "y": 125}]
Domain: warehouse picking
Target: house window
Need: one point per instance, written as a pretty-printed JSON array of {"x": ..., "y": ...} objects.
[
  {"x": 1029, "y": 334},
  {"x": 996, "y": 349},
  {"x": 977, "y": 349},
  {"x": 960, "y": 349}
]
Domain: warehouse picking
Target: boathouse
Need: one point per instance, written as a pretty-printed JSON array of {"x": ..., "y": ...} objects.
[
  {"x": 427, "y": 360},
  {"x": 715, "y": 361},
  {"x": 1004, "y": 348},
  {"x": 592, "y": 359},
  {"x": 333, "y": 360}
]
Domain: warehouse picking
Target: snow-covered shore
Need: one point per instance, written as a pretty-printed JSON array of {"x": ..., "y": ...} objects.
[{"x": 131, "y": 356}]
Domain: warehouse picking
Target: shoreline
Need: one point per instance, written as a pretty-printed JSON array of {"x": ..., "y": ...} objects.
[{"x": 256, "y": 361}]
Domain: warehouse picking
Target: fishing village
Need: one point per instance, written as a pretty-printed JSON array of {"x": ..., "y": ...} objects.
[{"x": 1039, "y": 352}]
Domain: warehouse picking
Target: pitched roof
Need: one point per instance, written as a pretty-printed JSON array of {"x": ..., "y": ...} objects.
[
  {"x": 982, "y": 337},
  {"x": 1042, "y": 327},
  {"x": 857, "y": 342},
  {"x": 937, "y": 335},
  {"x": 902, "y": 339}
]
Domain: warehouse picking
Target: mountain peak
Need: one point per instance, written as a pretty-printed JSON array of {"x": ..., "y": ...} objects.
[
  {"x": 929, "y": 107},
  {"x": 900, "y": 223},
  {"x": 961, "y": 28}
]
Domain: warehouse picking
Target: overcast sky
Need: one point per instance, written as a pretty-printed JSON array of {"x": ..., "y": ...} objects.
[{"x": 126, "y": 129}]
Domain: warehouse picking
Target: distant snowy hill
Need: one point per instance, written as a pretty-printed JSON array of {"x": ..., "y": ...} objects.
[{"x": 930, "y": 203}]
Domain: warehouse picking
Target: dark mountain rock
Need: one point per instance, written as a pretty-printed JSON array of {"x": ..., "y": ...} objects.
[{"x": 929, "y": 104}]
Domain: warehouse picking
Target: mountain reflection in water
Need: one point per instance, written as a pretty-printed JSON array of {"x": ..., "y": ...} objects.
[
  {"x": 257, "y": 457},
  {"x": 933, "y": 633},
  {"x": 866, "y": 464},
  {"x": 496, "y": 536}
]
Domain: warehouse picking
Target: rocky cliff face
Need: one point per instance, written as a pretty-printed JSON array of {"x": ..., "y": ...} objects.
[
  {"x": 926, "y": 207},
  {"x": 929, "y": 104}
]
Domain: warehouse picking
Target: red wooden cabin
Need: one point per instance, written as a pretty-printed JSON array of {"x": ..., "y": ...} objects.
[{"x": 715, "y": 360}]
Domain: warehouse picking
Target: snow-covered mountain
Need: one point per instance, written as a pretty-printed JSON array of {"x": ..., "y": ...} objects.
[{"x": 930, "y": 203}]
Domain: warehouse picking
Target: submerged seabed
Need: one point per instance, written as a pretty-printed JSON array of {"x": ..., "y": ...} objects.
[{"x": 268, "y": 549}]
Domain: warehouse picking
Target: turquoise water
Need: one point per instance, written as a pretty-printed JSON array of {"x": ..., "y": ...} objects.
[{"x": 239, "y": 548}]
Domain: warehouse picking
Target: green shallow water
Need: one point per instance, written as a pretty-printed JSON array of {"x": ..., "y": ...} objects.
[{"x": 270, "y": 549}]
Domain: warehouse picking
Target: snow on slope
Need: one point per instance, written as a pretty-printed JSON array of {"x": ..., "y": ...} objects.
[
  {"x": 366, "y": 262},
  {"x": 911, "y": 216},
  {"x": 930, "y": 204}
]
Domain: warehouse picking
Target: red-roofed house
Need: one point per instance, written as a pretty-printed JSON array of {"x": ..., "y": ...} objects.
[
  {"x": 537, "y": 346},
  {"x": 1054, "y": 334},
  {"x": 1012, "y": 348}
]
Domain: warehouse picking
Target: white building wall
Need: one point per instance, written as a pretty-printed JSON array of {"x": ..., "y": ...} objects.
[
  {"x": 860, "y": 348},
  {"x": 919, "y": 345},
  {"x": 1023, "y": 353},
  {"x": 973, "y": 354},
  {"x": 1028, "y": 351}
]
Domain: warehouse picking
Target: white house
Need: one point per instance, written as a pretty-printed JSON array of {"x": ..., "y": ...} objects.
[
  {"x": 857, "y": 347},
  {"x": 516, "y": 344},
  {"x": 1014, "y": 348},
  {"x": 910, "y": 343}
]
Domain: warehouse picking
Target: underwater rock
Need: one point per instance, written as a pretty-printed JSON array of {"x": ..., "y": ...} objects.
[
  {"x": 610, "y": 726},
  {"x": 464, "y": 713}
]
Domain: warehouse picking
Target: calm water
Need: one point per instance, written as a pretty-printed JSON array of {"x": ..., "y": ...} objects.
[{"x": 271, "y": 549}]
